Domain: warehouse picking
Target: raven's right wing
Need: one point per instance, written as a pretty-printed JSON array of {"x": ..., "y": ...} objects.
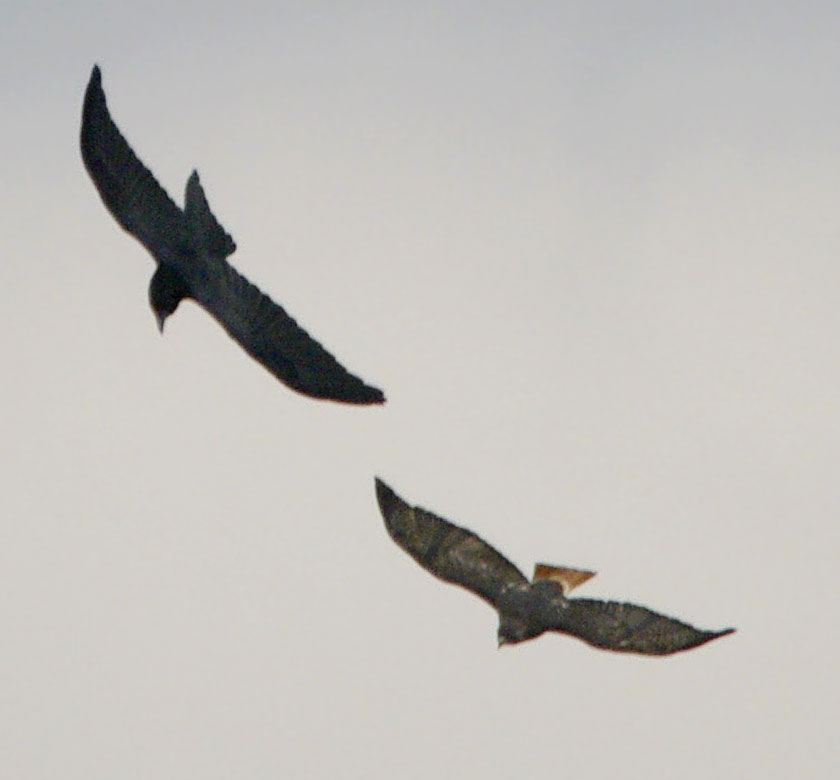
[
  {"x": 448, "y": 551},
  {"x": 127, "y": 188},
  {"x": 629, "y": 628}
]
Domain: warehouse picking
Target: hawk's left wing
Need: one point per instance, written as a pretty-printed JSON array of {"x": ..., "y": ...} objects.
[{"x": 448, "y": 551}]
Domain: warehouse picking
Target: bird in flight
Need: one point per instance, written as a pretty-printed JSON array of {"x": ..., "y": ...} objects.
[
  {"x": 191, "y": 248},
  {"x": 528, "y": 609}
]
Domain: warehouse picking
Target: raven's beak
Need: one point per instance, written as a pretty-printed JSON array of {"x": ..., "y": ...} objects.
[{"x": 160, "y": 319}]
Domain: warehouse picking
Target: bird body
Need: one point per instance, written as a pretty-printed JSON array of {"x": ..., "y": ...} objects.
[
  {"x": 528, "y": 609},
  {"x": 191, "y": 249}
]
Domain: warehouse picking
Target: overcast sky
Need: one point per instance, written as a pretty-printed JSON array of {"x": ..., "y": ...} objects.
[{"x": 589, "y": 250}]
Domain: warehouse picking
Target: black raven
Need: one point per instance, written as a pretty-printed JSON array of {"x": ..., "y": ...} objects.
[
  {"x": 190, "y": 248},
  {"x": 528, "y": 609}
]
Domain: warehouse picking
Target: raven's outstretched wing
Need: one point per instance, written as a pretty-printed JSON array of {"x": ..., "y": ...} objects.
[
  {"x": 272, "y": 337},
  {"x": 448, "y": 551},
  {"x": 126, "y": 186},
  {"x": 629, "y": 628}
]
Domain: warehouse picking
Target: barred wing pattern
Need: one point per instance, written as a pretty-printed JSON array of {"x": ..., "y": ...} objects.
[
  {"x": 629, "y": 628},
  {"x": 451, "y": 553},
  {"x": 525, "y": 609}
]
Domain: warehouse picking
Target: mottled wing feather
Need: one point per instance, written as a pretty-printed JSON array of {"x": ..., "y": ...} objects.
[
  {"x": 127, "y": 188},
  {"x": 448, "y": 551},
  {"x": 270, "y": 335},
  {"x": 629, "y": 628}
]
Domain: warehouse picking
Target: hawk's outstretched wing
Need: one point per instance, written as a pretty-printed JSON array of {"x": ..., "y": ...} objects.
[
  {"x": 526, "y": 610},
  {"x": 194, "y": 246},
  {"x": 448, "y": 551},
  {"x": 629, "y": 628}
]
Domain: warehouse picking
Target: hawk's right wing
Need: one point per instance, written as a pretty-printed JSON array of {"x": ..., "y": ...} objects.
[
  {"x": 448, "y": 551},
  {"x": 629, "y": 628}
]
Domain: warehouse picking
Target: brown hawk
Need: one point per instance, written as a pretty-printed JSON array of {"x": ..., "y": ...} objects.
[{"x": 528, "y": 609}]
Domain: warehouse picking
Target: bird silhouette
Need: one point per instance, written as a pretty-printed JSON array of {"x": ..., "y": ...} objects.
[
  {"x": 528, "y": 609},
  {"x": 191, "y": 248}
]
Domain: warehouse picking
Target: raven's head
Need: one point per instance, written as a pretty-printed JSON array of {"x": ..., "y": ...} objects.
[{"x": 166, "y": 290}]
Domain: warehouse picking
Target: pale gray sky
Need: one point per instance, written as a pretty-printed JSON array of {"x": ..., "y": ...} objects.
[{"x": 589, "y": 250}]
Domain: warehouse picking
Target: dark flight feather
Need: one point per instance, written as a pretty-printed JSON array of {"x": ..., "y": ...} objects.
[
  {"x": 451, "y": 553},
  {"x": 127, "y": 188},
  {"x": 192, "y": 246},
  {"x": 629, "y": 628},
  {"x": 525, "y": 609}
]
